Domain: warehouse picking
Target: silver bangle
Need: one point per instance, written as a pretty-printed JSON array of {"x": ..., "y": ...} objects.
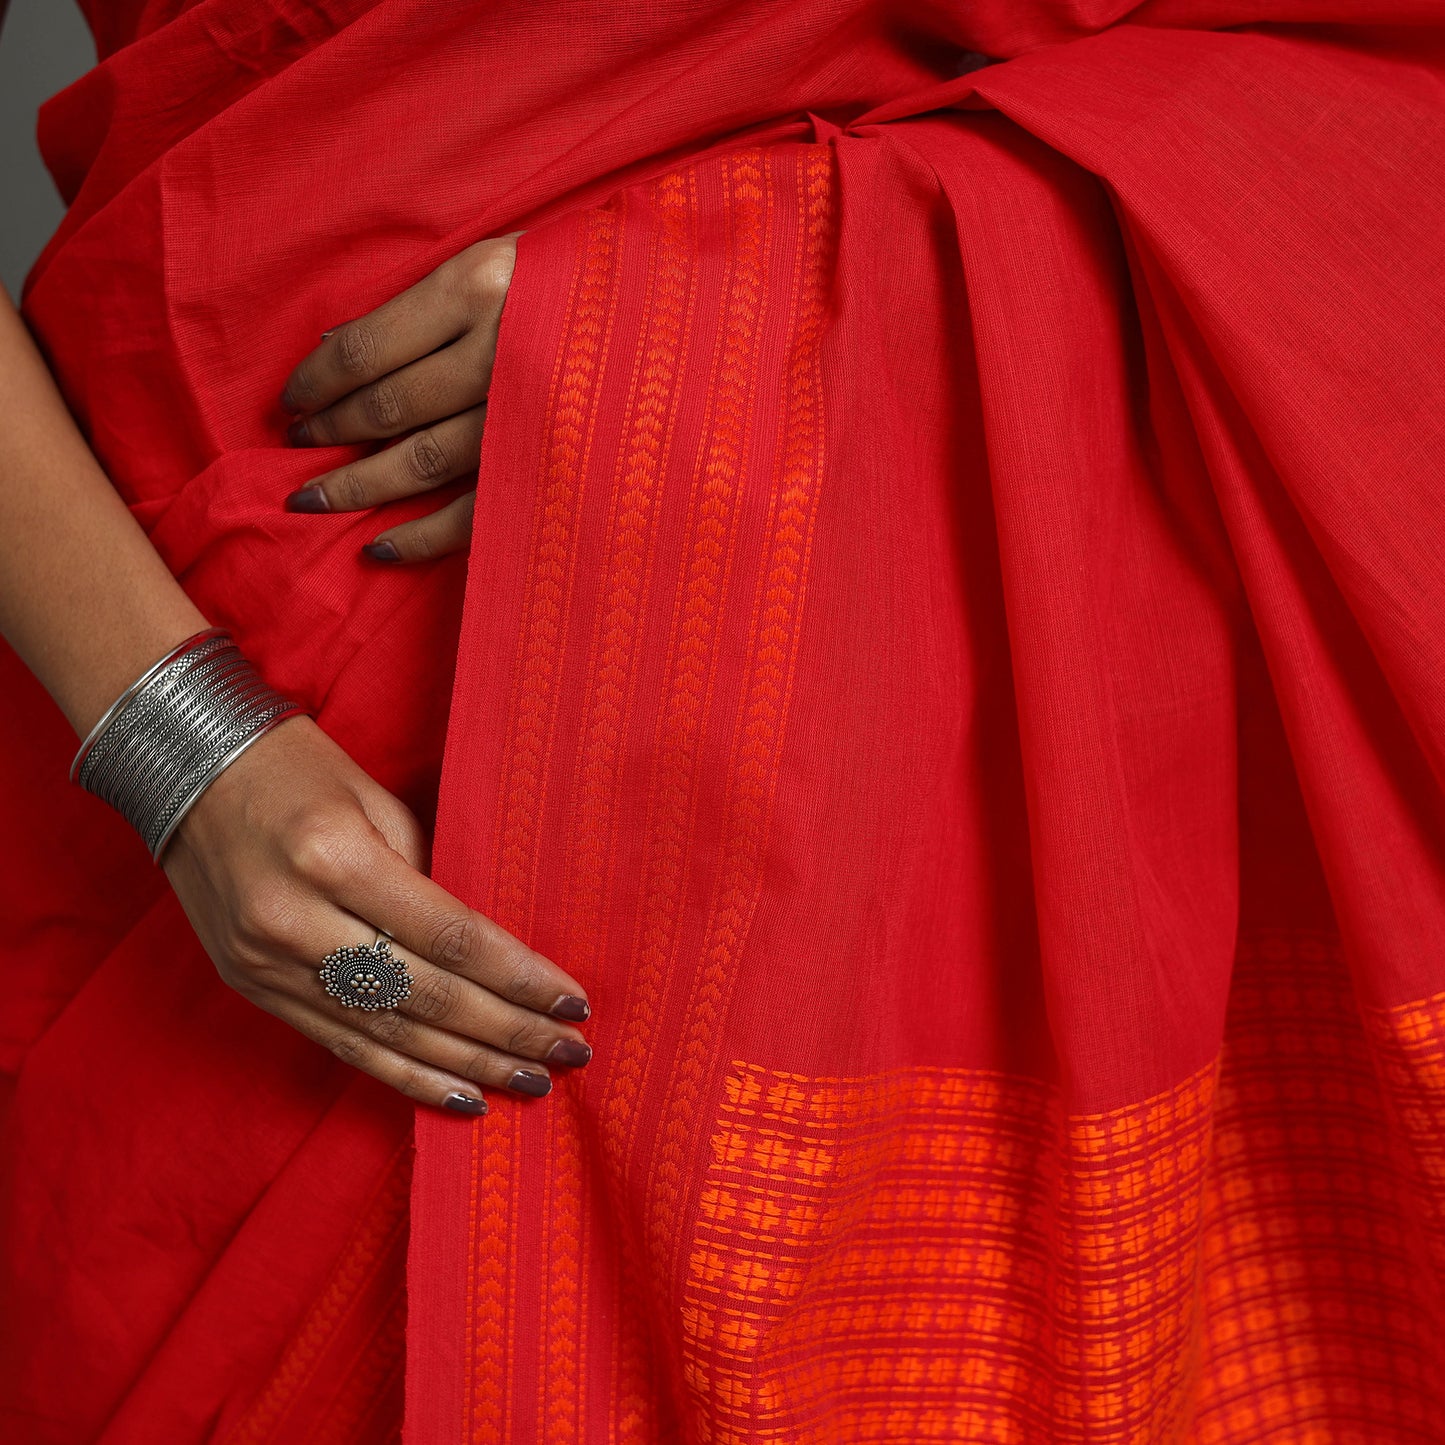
[{"x": 174, "y": 730}]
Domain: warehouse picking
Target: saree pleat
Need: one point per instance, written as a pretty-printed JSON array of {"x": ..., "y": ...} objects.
[{"x": 949, "y": 656}]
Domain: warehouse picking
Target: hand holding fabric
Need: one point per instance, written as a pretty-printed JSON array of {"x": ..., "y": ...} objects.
[{"x": 418, "y": 367}]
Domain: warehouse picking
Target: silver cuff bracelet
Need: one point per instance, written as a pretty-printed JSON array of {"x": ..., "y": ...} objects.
[{"x": 174, "y": 730}]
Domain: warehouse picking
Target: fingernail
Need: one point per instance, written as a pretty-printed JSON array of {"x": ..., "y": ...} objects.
[
  {"x": 289, "y": 402},
  {"x": 465, "y": 1104},
  {"x": 297, "y": 435},
  {"x": 309, "y": 498},
  {"x": 524, "y": 1082},
  {"x": 325, "y": 334},
  {"x": 571, "y": 1008},
  {"x": 570, "y": 1052},
  {"x": 383, "y": 551}
]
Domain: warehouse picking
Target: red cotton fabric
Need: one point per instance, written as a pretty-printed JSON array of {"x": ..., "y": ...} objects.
[{"x": 950, "y": 656}]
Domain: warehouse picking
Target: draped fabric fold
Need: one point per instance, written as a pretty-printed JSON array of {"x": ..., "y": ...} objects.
[{"x": 949, "y": 656}]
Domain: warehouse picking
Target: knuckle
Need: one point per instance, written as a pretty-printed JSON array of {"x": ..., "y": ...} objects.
[
  {"x": 302, "y": 386},
  {"x": 356, "y": 348},
  {"x": 434, "y": 997},
  {"x": 486, "y": 270},
  {"x": 455, "y": 943},
  {"x": 425, "y": 458},
  {"x": 323, "y": 855},
  {"x": 496, "y": 270},
  {"x": 487, "y": 1066},
  {"x": 265, "y": 918},
  {"x": 351, "y": 489},
  {"x": 307, "y": 820},
  {"x": 390, "y": 1027},
  {"x": 350, "y": 1049},
  {"x": 417, "y": 1082},
  {"x": 409, "y": 839},
  {"x": 384, "y": 406},
  {"x": 239, "y": 971},
  {"x": 527, "y": 1038},
  {"x": 514, "y": 973},
  {"x": 255, "y": 975}
]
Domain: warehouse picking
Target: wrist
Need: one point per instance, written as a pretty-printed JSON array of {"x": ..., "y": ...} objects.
[{"x": 174, "y": 730}]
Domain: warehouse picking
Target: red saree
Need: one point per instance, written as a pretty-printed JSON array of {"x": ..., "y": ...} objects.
[{"x": 950, "y": 655}]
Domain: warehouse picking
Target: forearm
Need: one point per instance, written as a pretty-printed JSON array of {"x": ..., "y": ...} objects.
[{"x": 85, "y": 600}]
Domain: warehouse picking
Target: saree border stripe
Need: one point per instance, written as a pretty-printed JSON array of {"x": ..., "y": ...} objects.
[
  {"x": 654, "y": 396},
  {"x": 702, "y": 592},
  {"x": 570, "y": 418},
  {"x": 647, "y": 431},
  {"x": 761, "y": 722},
  {"x": 377, "y": 1242},
  {"x": 562, "y": 1334},
  {"x": 702, "y": 589}
]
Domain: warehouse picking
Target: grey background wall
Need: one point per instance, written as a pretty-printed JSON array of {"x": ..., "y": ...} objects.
[{"x": 44, "y": 45}]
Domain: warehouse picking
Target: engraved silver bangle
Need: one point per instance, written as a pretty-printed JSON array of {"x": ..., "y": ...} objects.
[{"x": 174, "y": 730}]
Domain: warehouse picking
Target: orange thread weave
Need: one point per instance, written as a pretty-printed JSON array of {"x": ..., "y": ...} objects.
[
  {"x": 571, "y": 414},
  {"x": 940, "y": 1254},
  {"x": 762, "y": 720},
  {"x": 646, "y": 434},
  {"x": 692, "y": 646}
]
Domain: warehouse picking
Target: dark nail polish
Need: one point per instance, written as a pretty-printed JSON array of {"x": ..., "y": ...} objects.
[
  {"x": 569, "y": 1052},
  {"x": 383, "y": 551},
  {"x": 289, "y": 403},
  {"x": 465, "y": 1104},
  {"x": 297, "y": 435},
  {"x": 523, "y": 1082},
  {"x": 571, "y": 1008},
  {"x": 309, "y": 498}
]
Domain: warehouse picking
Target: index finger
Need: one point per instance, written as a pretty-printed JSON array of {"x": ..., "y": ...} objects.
[
  {"x": 409, "y": 326},
  {"x": 425, "y": 919}
]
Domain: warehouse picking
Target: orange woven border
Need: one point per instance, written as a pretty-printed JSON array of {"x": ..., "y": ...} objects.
[
  {"x": 571, "y": 413},
  {"x": 939, "y": 1254}
]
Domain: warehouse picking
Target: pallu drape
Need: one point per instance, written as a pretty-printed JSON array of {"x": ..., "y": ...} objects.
[{"x": 950, "y": 656}]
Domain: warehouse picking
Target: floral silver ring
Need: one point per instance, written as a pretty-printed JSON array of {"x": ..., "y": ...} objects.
[{"x": 368, "y": 976}]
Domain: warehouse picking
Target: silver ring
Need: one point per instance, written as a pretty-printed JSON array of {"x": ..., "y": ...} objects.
[{"x": 366, "y": 976}]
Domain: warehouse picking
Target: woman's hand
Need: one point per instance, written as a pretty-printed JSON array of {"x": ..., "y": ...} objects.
[
  {"x": 419, "y": 364},
  {"x": 293, "y": 851}
]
